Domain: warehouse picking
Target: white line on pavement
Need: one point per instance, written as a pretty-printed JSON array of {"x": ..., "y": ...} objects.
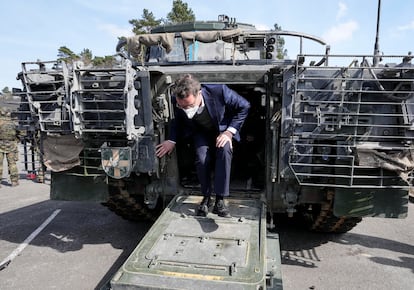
[{"x": 23, "y": 245}]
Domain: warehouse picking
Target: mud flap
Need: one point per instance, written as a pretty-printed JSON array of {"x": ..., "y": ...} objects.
[
  {"x": 66, "y": 186},
  {"x": 384, "y": 202}
]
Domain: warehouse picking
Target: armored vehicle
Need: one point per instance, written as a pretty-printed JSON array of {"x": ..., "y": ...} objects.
[{"x": 328, "y": 138}]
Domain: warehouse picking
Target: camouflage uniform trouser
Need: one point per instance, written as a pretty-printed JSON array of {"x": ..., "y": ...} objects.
[{"x": 10, "y": 149}]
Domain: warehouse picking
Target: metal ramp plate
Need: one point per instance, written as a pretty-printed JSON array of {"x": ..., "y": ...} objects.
[
  {"x": 183, "y": 251},
  {"x": 197, "y": 249}
]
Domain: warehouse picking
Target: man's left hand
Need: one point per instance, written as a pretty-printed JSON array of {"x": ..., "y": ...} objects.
[{"x": 223, "y": 138}]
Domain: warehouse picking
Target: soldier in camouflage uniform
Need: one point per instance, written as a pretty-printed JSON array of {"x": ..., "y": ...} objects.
[{"x": 9, "y": 146}]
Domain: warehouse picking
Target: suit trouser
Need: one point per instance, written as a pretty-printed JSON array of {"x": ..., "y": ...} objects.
[{"x": 209, "y": 156}]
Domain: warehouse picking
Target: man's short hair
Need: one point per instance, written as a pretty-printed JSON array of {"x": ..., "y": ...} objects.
[{"x": 186, "y": 85}]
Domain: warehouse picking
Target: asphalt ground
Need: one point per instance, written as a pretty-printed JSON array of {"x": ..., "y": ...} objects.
[
  {"x": 83, "y": 245},
  {"x": 80, "y": 248},
  {"x": 377, "y": 254}
]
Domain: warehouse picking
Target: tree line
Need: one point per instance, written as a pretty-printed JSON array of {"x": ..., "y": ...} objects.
[{"x": 180, "y": 13}]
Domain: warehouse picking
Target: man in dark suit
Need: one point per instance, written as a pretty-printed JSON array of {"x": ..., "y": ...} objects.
[{"x": 212, "y": 115}]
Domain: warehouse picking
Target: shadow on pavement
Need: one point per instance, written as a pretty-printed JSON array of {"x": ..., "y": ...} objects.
[
  {"x": 299, "y": 246},
  {"x": 381, "y": 243},
  {"x": 77, "y": 225}
]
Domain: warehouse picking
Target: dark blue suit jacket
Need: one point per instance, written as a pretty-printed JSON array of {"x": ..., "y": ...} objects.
[{"x": 226, "y": 108}]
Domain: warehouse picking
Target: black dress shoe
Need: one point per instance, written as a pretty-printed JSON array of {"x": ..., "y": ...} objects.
[
  {"x": 203, "y": 207},
  {"x": 221, "y": 209}
]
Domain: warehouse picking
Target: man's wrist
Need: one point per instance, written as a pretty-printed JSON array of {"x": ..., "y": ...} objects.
[
  {"x": 232, "y": 130},
  {"x": 228, "y": 134}
]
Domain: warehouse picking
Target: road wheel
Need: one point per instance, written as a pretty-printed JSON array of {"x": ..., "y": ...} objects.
[
  {"x": 320, "y": 218},
  {"x": 125, "y": 202}
]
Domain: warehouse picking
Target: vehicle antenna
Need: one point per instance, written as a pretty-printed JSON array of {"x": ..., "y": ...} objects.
[{"x": 376, "y": 46}]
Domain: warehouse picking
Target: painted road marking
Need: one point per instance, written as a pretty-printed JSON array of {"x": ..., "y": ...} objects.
[{"x": 27, "y": 241}]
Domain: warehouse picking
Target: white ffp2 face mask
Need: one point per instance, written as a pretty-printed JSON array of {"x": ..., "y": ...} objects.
[{"x": 190, "y": 112}]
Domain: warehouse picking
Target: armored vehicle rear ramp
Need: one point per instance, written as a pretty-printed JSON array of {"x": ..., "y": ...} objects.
[{"x": 184, "y": 251}]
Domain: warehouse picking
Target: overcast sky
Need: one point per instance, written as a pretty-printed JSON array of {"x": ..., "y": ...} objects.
[{"x": 35, "y": 29}]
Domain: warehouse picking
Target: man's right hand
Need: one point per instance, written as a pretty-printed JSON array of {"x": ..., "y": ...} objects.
[{"x": 165, "y": 147}]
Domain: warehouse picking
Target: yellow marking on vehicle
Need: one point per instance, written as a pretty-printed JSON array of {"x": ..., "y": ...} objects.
[{"x": 193, "y": 276}]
